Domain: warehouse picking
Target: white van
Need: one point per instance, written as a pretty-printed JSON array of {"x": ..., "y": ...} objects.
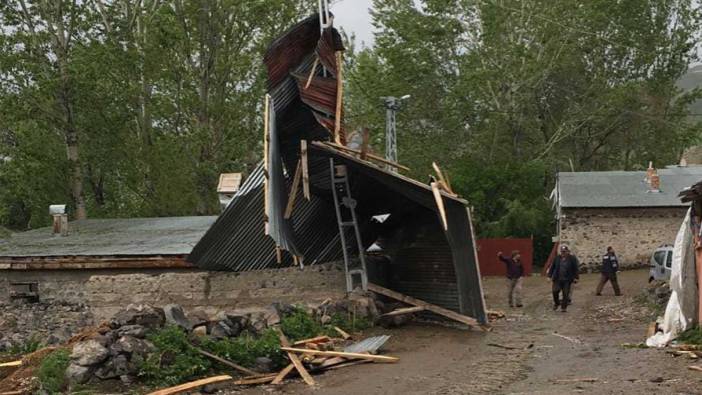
[{"x": 661, "y": 263}]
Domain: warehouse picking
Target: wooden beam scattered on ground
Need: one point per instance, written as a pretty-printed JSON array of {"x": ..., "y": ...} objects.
[
  {"x": 342, "y": 332},
  {"x": 318, "y": 339},
  {"x": 225, "y": 362},
  {"x": 293, "y": 190},
  {"x": 305, "y": 170},
  {"x": 191, "y": 385},
  {"x": 351, "y": 355},
  {"x": 11, "y": 364},
  {"x": 256, "y": 379},
  {"x": 404, "y": 310},
  {"x": 570, "y": 339},
  {"x": 505, "y": 347},
  {"x": 440, "y": 205},
  {"x": 695, "y": 367},
  {"x": 283, "y": 373},
  {"x": 427, "y": 306},
  {"x": 295, "y": 360},
  {"x": 345, "y": 364}
]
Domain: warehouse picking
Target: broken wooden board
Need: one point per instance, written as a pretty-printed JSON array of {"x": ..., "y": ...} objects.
[
  {"x": 440, "y": 205},
  {"x": 192, "y": 385},
  {"x": 226, "y": 362},
  {"x": 256, "y": 379},
  {"x": 651, "y": 329},
  {"x": 305, "y": 170},
  {"x": 283, "y": 373},
  {"x": 343, "y": 333},
  {"x": 371, "y": 357},
  {"x": 295, "y": 360},
  {"x": 11, "y": 364},
  {"x": 368, "y": 155},
  {"x": 318, "y": 339},
  {"x": 695, "y": 367},
  {"x": 404, "y": 310},
  {"x": 427, "y": 306},
  {"x": 293, "y": 191}
]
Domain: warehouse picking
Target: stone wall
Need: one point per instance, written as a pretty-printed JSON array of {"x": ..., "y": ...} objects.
[
  {"x": 634, "y": 233},
  {"x": 104, "y": 292}
]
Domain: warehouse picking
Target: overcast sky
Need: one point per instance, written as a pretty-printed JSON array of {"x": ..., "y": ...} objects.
[{"x": 353, "y": 17}]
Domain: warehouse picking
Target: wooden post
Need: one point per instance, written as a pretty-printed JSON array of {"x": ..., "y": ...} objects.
[
  {"x": 314, "y": 67},
  {"x": 278, "y": 255},
  {"x": 339, "y": 98},
  {"x": 440, "y": 205},
  {"x": 266, "y": 126},
  {"x": 305, "y": 170},
  {"x": 293, "y": 190}
]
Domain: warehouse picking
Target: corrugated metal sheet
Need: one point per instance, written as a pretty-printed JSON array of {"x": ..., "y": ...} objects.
[
  {"x": 369, "y": 345},
  {"x": 237, "y": 241}
]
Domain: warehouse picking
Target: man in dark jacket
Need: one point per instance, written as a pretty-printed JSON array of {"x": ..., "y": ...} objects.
[
  {"x": 515, "y": 271},
  {"x": 610, "y": 267},
  {"x": 563, "y": 272}
]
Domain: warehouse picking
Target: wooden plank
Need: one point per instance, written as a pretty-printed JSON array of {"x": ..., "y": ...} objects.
[
  {"x": 339, "y": 97},
  {"x": 427, "y": 306},
  {"x": 404, "y": 310},
  {"x": 318, "y": 339},
  {"x": 345, "y": 364},
  {"x": 314, "y": 67},
  {"x": 11, "y": 364},
  {"x": 343, "y": 333},
  {"x": 440, "y": 205},
  {"x": 369, "y": 155},
  {"x": 305, "y": 170},
  {"x": 255, "y": 380},
  {"x": 281, "y": 376},
  {"x": 694, "y": 367},
  {"x": 295, "y": 360},
  {"x": 226, "y": 362},
  {"x": 266, "y": 127},
  {"x": 191, "y": 385},
  {"x": 278, "y": 255},
  {"x": 353, "y": 355},
  {"x": 293, "y": 190}
]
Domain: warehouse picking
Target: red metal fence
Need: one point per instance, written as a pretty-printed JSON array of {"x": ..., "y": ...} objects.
[{"x": 487, "y": 255}]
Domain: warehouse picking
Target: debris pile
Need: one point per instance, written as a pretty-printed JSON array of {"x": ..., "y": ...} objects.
[{"x": 658, "y": 292}]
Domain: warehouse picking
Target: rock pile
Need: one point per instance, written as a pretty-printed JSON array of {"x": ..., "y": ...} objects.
[{"x": 47, "y": 322}]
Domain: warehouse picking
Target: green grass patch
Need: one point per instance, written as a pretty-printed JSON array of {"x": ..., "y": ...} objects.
[
  {"x": 691, "y": 336},
  {"x": 300, "y": 325},
  {"x": 52, "y": 371},
  {"x": 174, "y": 361},
  {"x": 244, "y": 349}
]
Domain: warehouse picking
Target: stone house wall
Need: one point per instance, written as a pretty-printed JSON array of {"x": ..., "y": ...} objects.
[
  {"x": 634, "y": 233},
  {"x": 105, "y": 292}
]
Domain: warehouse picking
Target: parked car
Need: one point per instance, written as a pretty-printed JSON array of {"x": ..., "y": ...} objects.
[{"x": 661, "y": 263}]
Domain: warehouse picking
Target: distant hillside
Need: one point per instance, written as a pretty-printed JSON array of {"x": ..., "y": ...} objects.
[{"x": 693, "y": 79}]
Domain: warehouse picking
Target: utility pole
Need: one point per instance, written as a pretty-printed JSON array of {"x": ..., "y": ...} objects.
[{"x": 392, "y": 104}]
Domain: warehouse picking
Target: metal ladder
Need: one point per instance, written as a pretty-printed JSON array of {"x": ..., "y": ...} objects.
[{"x": 345, "y": 207}]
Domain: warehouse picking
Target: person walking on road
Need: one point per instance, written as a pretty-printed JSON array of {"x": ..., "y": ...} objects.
[
  {"x": 564, "y": 271},
  {"x": 610, "y": 267},
  {"x": 515, "y": 272}
]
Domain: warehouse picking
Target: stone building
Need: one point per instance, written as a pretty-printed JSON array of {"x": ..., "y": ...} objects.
[{"x": 622, "y": 209}]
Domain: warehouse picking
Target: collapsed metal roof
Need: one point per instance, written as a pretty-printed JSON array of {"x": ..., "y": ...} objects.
[{"x": 447, "y": 273}]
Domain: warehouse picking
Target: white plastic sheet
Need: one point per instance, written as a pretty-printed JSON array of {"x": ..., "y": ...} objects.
[{"x": 681, "y": 310}]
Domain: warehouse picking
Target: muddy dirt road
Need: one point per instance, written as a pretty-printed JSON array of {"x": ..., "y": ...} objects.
[{"x": 441, "y": 360}]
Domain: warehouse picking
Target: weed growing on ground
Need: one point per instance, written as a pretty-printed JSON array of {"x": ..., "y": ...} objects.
[
  {"x": 25, "y": 348},
  {"x": 244, "y": 349},
  {"x": 52, "y": 371},
  {"x": 298, "y": 325},
  {"x": 691, "y": 336},
  {"x": 175, "y": 361}
]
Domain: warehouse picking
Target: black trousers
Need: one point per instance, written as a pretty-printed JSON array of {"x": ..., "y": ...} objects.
[{"x": 558, "y": 288}]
